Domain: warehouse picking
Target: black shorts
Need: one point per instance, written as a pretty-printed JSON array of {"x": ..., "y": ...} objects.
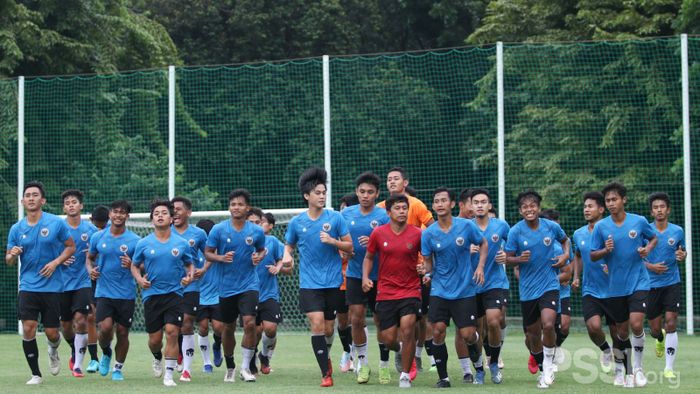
[
  {"x": 269, "y": 310},
  {"x": 462, "y": 311},
  {"x": 209, "y": 312},
  {"x": 355, "y": 296},
  {"x": 425, "y": 298},
  {"x": 328, "y": 301},
  {"x": 662, "y": 299},
  {"x": 243, "y": 304},
  {"x": 120, "y": 311},
  {"x": 593, "y": 306},
  {"x": 162, "y": 309},
  {"x": 621, "y": 307},
  {"x": 390, "y": 312},
  {"x": 75, "y": 301},
  {"x": 532, "y": 309},
  {"x": 190, "y": 301},
  {"x": 30, "y": 304},
  {"x": 491, "y": 299},
  {"x": 565, "y": 306},
  {"x": 343, "y": 307}
]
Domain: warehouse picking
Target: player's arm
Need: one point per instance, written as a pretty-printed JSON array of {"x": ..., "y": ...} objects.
[
  {"x": 287, "y": 258},
  {"x": 12, "y": 254},
  {"x": 189, "y": 276},
  {"x": 483, "y": 255},
  {"x": 90, "y": 266},
  {"x": 367, "y": 265},
  {"x": 344, "y": 244},
  {"x": 576, "y": 267},
  {"x": 565, "y": 274},
  {"x": 644, "y": 251},
  {"x": 211, "y": 255},
  {"x": 142, "y": 280},
  {"x": 68, "y": 251},
  {"x": 560, "y": 261}
]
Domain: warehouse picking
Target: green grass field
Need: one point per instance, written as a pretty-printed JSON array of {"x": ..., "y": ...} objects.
[{"x": 295, "y": 370}]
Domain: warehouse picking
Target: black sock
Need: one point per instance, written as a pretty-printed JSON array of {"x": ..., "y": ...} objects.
[
  {"x": 659, "y": 337},
  {"x": 31, "y": 353},
  {"x": 318, "y": 343},
  {"x": 628, "y": 355},
  {"x": 217, "y": 341},
  {"x": 107, "y": 351},
  {"x": 92, "y": 348},
  {"x": 475, "y": 355},
  {"x": 561, "y": 337},
  {"x": 157, "y": 355},
  {"x": 71, "y": 343},
  {"x": 230, "y": 364},
  {"x": 179, "y": 344},
  {"x": 429, "y": 347},
  {"x": 539, "y": 358},
  {"x": 345, "y": 338},
  {"x": 440, "y": 354},
  {"x": 605, "y": 346},
  {"x": 495, "y": 353},
  {"x": 487, "y": 348},
  {"x": 383, "y": 352}
]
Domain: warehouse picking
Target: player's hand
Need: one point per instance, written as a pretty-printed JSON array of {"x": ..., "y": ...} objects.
[
  {"x": 420, "y": 269},
  {"x": 658, "y": 268},
  {"x": 575, "y": 284},
  {"x": 345, "y": 255},
  {"x": 257, "y": 257},
  {"x": 326, "y": 238},
  {"x": 609, "y": 244},
  {"x": 228, "y": 257},
  {"x": 69, "y": 261},
  {"x": 367, "y": 285},
  {"x": 286, "y": 263},
  {"x": 273, "y": 269},
  {"x": 525, "y": 257},
  {"x": 363, "y": 240},
  {"x": 186, "y": 280},
  {"x": 559, "y": 261},
  {"x": 16, "y": 251},
  {"x": 48, "y": 270},
  {"x": 199, "y": 273},
  {"x": 643, "y": 252},
  {"x": 427, "y": 279},
  {"x": 144, "y": 282},
  {"x": 478, "y": 276},
  {"x": 474, "y": 249},
  {"x": 501, "y": 257},
  {"x": 681, "y": 254},
  {"x": 94, "y": 273},
  {"x": 125, "y": 260}
]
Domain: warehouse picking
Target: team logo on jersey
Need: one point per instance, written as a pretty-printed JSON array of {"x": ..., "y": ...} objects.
[
  {"x": 153, "y": 251},
  {"x": 352, "y": 223},
  {"x": 84, "y": 237},
  {"x": 228, "y": 240},
  {"x": 123, "y": 248},
  {"x": 633, "y": 234},
  {"x": 386, "y": 244},
  {"x": 671, "y": 241},
  {"x": 605, "y": 268},
  {"x": 326, "y": 227},
  {"x": 374, "y": 223},
  {"x": 248, "y": 240},
  {"x": 495, "y": 238},
  {"x": 409, "y": 245},
  {"x": 524, "y": 243},
  {"x": 44, "y": 232},
  {"x": 303, "y": 229},
  {"x": 438, "y": 246},
  {"x": 547, "y": 241},
  {"x": 175, "y": 252},
  {"x": 583, "y": 242},
  {"x": 459, "y": 241},
  {"x": 191, "y": 242}
]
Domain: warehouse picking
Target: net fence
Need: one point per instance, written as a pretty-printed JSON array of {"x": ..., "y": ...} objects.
[{"x": 576, "y": 116}]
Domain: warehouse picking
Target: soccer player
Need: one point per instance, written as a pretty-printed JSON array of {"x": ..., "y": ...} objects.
[
  {"x": 361, "y": 220},
  {"x": 664, "y": 280},
  {"x": 76, "y": 300},
  {"x": 342, "y": 314},
  {"x": 269, "y": 311},
  {"x": 492, "y": 297},
  {"x": 398, "y": 286},
  {"x": 43, "y": 243},
  {"x": 619, "y": 240},
  {"x": 163, "y": 256},
  {"x": 197, "y": 239},
  {"x": 99, "y": 218},
  {"x": 109, "y": 265},
  {"x": 237, "y": 246},
  {"x": 320, "y": 233},
  {"x": 446, "y": 250},
  {"x": 466, "y": 211},
  {"x": 530, "y": 246},
  {"x": 595, "y": 280}
]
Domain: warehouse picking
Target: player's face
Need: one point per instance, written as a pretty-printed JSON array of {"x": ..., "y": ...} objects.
[
  {"x": 466, "y": 208},
  {"x": 480, "y": 204},
  {"x": 592, "y": 212},
  {"x": 255, "y": 219},
  {"x": 32, "y": 200},
  {"x": 615, "y": 203},
  {"x": 238, "y": 208},
  {"x": 367, "y": 194},
  {"x": 181, "y": 214},
  {"x": 267, "y": 227},
  {"x": 530, "y": 209},
  {"x": 161, "y": 217},
  {"x": 660, "y": 210},
  {"x": 442, "y": 205},
  {"x": 399, "y": 212},
  {"x": 118, "y": 216},
  {"x": 72, "y": 206},
  {"x": 317, "y": 197},
  {"x": 395, "y": 182}
]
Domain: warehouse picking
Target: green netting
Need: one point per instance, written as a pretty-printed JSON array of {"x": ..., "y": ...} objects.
[
  {"x": 694, "y": 82},
  {"x": 577, "y": 116}
]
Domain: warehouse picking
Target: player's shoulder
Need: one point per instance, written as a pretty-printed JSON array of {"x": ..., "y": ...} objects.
[
  {"x": 130, "y": 235},
  {"x": 637, "y": 218},
  {"x": 350, "y": 211},
  {"x": 416, "y": 202},
  {"x": 51, "y": 219},
  {"x": 197, "y": 231},
  {"x": 581, "y": 231},
  {"x": 332, "y": 213},
  {"x": 676, "y": 228},
  {"x": 414, "y": 230}
]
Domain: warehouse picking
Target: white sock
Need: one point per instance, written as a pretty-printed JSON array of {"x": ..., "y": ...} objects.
[
  {"x": 361, "y": 353},
  {"x": 248, "y": 355},
  {"x": 638, "y": 348},
  {"x": 503, "y": 335},
  {"x": 187, "y": 352},
  {"x": 366, "y": 332},
  {"x": 204, "y": 348},
  {"x": 466, "y": 367},
  {"x": 53, "y": 346},
  {"x": 480, "y": 362},
  {"x": 548, "y": 361},
  {"x": 432, "y": 360},
  {"x": 405, "y": 375},
  {"x": 170, "y": 365},
  {"x": 268, "y": 345},
  {"x": 80, "y": 349},
  {"x": 118, "y": 366},
  {"x": 671, "y": 349},
  {"x": 419, "y": 351}
]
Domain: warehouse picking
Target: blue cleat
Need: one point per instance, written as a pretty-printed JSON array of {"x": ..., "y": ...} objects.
[
  {"x": 479, "y": 377},
  {"x": 104, "y": 365},
  {"x": 208, "y": 369},
  {"x": 496, "y": 376},
  {"x": 117, "y": 376},
  {"x": 217, "y": 356},
  {"x": 93, "y": 367}
]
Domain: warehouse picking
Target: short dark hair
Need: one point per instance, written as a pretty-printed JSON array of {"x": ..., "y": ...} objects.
[
  {"x": 240, "y": 193},
  {"x": 474, "y": 192},
  {"x": 616, "y": 187},
  {"x": 465, "y": 194},
  {"x": 660, "y": 196},
  {"x": 551, "y": 214},
  {"x": 311, "y": 178},
  {"x": 270, "y": 218},
  {"x": 528, "y": 194},
  {"x": 184, "y": 200},
  {"x": 37, "y": 185},
  {"x": 161, "y": 203},
  {"x": 395, "y": 198},
  {"x": 100, "y": 213},
  {"x": 410, "y": 191},
  {"x": 400, "y": 170},
  {"x": 595, "y": 196},
  {"x": 254, "y": 211},
  {"x": 73, "y": 193},
  {"x": 444, "y": 189},
  {"x": 122, "y": 204},
  {"x": 368, "y": 177},
  {"x": 349, "y": 199},
  {"x": 206, "y": 225}
]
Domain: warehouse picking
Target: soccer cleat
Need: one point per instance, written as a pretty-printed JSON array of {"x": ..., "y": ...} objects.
[
  {"x": 606, "y": 362},
  {"x": 104, "y": 366},
  {"x": 619, "y": 379},
  {"x": 496, "y": 376},
  {"x": 413, "y": 372},
  {"x": 442, "y": 384},
  {"x": 479, "y": 376},
  {"x": 549, "y": 375},
  {"x": 54, "y": 362},
  {"x": 629, "y": 381},
  {"x": 77, "y": 373},
  {"x": 117, "y": 376},
  {"x": 169, "y": 382},
  {"x": 157, "y": 368},
  {"x": 208, "y": 369},
  {"x": 230, "y": 376},
  {"x": 93, "y": 367},
  {"x": 541, "y": 383},
  {"x": 363, "y": 372},
  {"x": 185, "y": 377},
  {"x": 501, "y": 364},
  {"x": 384, "y": 375},
  {"x": 405, "y": 382},
  {"x": 669, "y": 374},
  {"x": 468, "y": 378},
  {"x": 35, "y": 380},
  {"x": 247, "y": 376},
  {"x": 71, "y": 363},
  {"x": 532, "y": 365},
  {"x": 346, "y": 362},
  {"x": 218, "y": 359},
  {"x": 661, "y": 345},
  {"x": 640, "y": 380},
  {"x": 327, "y": 381},
  {"x": 264, "y": 364},
  {"x": 419, "y": 364},
  {"x": 179, "y": 363},
  {"x": 398, "y": 362},
  {"x": 559, "y": 356}
]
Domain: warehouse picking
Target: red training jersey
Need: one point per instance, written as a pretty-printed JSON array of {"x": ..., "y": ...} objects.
[{"x": 398, "y": 258}]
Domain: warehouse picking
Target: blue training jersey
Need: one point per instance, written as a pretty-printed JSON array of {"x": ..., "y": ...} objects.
[
  {"x": 114, "y": 281},
  {"x": 496, "y": 233},
  {"x": 564, "y": 290},
  {"x": 537, "y": 276},
  {"x": 209, "y": 284},
  {"x": 359, "y": 225},
  {"x": 75, "y": 275},
  {"x": 320, "y": 265},
  {"x": 197, "y": 239},
  {"x": 238, "y": 276},
  {"x": 665, "y": 251},
  {"x": 269, "y": 289},
  {"x": 164, "y": 263},
  {"x": 451, "y": 253},
  {"x": 627, "y": 271},
  {"x": 595, "y": 273},
  {"x": 41, "y": 244}
]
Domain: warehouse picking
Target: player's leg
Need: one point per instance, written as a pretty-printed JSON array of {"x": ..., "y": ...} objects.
[
  {"x": 344, "y": 334},
  {"x": 228, "y": 307},
  {"x": 50, "y": 307},
  {"x": 637, "y": 308},
  {"x": 28, "y": 309},
  {"x": 493, "y": 327},
  {"x": 269, "y": 343},
  {"x": 593, "y": 317},
  {"x": 203, "y": 337},
  {"x": 94, "y": 364},
  {"x": 171, "y": 331},
  {"x": 408, "y": 349},
  {"x": 67, "y": 324},
  {"x": 672, "y": 304},
  {"x": 504, "y": 326},
  {"x": 105, "y": 315},
  {"x": 123, "y": 318},
  {"x": 191, "y": 304},
  {"x": 439, "y": 315},
  {"x": 548, "y": 317},
  {"x": 80, "y": 309},
  {"x": 464, "y": 312}
]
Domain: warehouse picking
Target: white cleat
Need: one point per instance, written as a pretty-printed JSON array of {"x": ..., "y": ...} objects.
[
  {"x": 606, "y": 362},
  {"x": 247, "y": 376},
  {"x": 548, "y": 375},
  {"x": 541, "y": 383},
  {"x": 559, "y": 356},
  {"x": 157, "y": 368},
  {"x": 619, "y": 379},
  {"x": 629, "y": 381},
  {"x": 169, "y": 382},
  {"x": 230, "y": 376},
  {"x": 35, "y": 380},
  {"x": 640, "y": 380},
  {"x": 54, "y": 361},
  {"x": 405, "y": 382}
]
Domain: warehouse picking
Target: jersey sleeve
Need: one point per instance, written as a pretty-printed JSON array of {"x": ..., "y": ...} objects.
[
  {"x": 681, "y": 238},
  {"x": 213, "y": 238},
  {"x": 342, "y": 226},
  {"x": 574, "y": 245},
  {"x": 558, "y": 232},
  {"x": 259, "y": 239},
  {"x": 475, "y": 236},
  {"x": 279, "y": 250},
  {"x": 647, "y": 230},
  {"x": 597, "y": 240},
  {"x": 63, "y": 231},
  {"x": 94, "y": 241},
  {"x": 372, "y": 243},
  {"x": 190, "y": 255},
  {"x": 422, "y": 214},
  {"x": 12, "y": 240},
  {"x": 291, "y": 236},
  {"x": 425, "y": 247},
  {"x": 512, "y": 243},
  {"x": 137, "y": 258}
]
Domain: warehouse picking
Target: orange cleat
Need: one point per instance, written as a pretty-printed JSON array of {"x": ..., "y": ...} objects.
[
  {"x": 413, "y": 372},
  {"x": 327, "y": 381},
  {"x": 532, "y": 365}
]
